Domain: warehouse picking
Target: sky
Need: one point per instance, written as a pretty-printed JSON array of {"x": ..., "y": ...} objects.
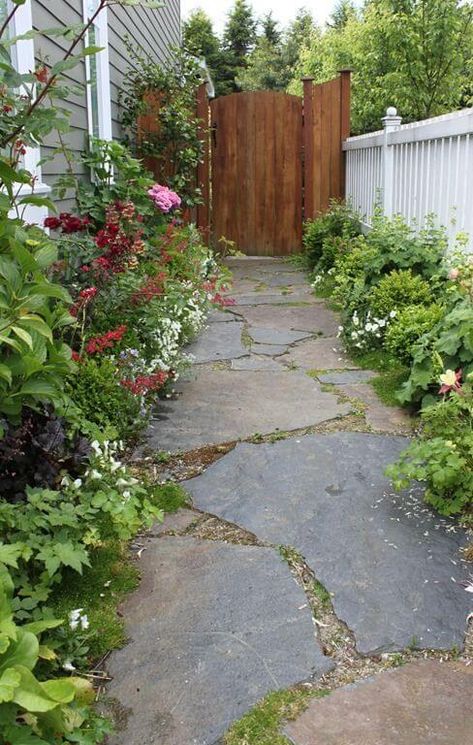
[{"x": 283, "y": 10}]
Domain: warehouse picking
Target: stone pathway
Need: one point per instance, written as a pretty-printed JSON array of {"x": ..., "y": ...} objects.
[{"x": 284, "y": 444}]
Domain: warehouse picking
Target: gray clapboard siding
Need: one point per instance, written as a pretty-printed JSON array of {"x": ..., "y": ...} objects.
[{"x": 153, "y": 31}]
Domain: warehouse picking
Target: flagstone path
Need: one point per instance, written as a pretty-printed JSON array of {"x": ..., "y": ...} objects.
[{"x": 284, "y": 444}]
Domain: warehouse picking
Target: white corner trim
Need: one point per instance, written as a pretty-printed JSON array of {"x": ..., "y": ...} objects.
[
  {"x": 103, "y": 75},
  {"x": 23, "y": 55}
]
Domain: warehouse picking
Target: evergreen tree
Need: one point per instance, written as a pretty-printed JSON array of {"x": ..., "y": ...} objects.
[
  {"x": 239, "y": 39},
  {"x": 270, "y": 29},
  {"x": 342, "y": 13},
  {"x": 199, "y": 39}
]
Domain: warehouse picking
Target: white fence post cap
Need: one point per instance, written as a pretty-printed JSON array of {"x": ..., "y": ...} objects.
[{"x": 391, "y": 119}]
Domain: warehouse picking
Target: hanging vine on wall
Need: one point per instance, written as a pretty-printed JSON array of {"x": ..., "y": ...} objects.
[{"x": 158, "y": 116}]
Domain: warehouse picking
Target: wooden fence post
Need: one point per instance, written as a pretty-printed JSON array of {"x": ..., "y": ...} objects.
[
  {"x": 308, "y": 140},
  {"x": 203, "y": 169},
  {"x": 345, "y": 121}
]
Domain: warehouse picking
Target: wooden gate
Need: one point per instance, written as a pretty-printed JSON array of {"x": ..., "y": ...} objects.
[
  {"x": 257, "y": 171},
  {"x": 276, "y": 160}
]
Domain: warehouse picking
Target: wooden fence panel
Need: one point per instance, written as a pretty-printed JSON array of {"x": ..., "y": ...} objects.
[{"x": 326, "y": 125}]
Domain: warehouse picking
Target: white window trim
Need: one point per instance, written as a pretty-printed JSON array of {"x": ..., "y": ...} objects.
[
  {"x": 25, "y": 62},
  {"x": 103, "y": 76}
]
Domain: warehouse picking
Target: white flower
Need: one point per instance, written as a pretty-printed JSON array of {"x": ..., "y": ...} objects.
[
  {"x": 393, "y": 314},
  {"x": 68, "y": 666},
  {"x": 65, "y": 481},
  {"x": 77, "y": 483},
  {"x": 354, "y": 334},
  {"x": 95, "y": 445},
  {"x": 84, "y": 622},
  {"x": 356, "y": 320},
  {"x": 95, "y": 475}
]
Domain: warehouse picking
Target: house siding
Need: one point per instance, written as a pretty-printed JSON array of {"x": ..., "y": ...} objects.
[{"x": 154, "y": 31}]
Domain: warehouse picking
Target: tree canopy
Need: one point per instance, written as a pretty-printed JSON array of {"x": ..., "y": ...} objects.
[{"x": 416, "y": 55}]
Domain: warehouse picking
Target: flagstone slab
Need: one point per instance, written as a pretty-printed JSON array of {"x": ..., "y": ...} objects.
[
  {"x": 221, "y": 316},
  {"x": 423, "y": 703},
  {"x": 271, "y": 350},
  {"x": 393, "y": 567},
  {"x": 319, "y": 354},
  {"x": 213, "y": 628},
  {"x": 256, "y": 362},
  {"x": 219, "y": 406},
  {"x": 346, "y": 377},
  {"x": 380, "y": 416},
  {"x": 261, "y": 298},
  {"x": 315, "y": 320},
  {"x": 220, "y": 341},
  {"x": 275, "y": 335}
]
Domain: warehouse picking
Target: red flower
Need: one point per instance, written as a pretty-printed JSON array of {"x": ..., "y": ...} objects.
[
  {"x": 88, "y": 293},
  {"x": 144, "y": 384},
  {"x": 52, "y": 222},
  {"x": 7, "y": 108},
  {"x": 75, "y": 356},
  {"x": 152, "y": 288},
  {"x": 41, "y": 75},
  {"x": 98, "y": 344}
]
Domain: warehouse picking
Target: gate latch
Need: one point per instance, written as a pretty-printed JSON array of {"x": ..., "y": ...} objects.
[{"x": 214, "y": 134}]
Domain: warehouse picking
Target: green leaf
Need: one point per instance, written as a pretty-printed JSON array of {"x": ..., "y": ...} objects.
[
  {"x": 37, "y": 323},
  {"x": 9, "y": 682},
  {"x": 5, "y": 374},
  {"x": 39, "y": 202},
  {"x": 46, "y": 255},
  {"x": 39, "y": 388},
  {"x": 37, "y": 627},
  {"x": 9, "y": 553},
  {"x": 23, "y": 335},
  {"x": 22, "y": 651},
  {"x": 39, "y": 697}
]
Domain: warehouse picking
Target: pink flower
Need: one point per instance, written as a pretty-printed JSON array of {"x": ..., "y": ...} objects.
[
  {"x": 164, "y": 199},
  {"x": 454, "y": 274},
  {"x": 88, "y": 293}
]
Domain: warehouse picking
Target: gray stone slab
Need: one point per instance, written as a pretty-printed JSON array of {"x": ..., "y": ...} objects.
[
  {"x": 319, "y": 354},
  {"x": 277, "y": 299},
  {"x": 392, "y": 565},
  {"x": 276, "y": 336},
  {"x": 256, "y": 362},
  {"x": 225, "y": 405},
  {"x": 315, "y": 319},
  {"x": 344, "y": 377},
  {"x": 380, "y": 417},
  {"x": 176, "y": 521},
  {"x": 221, "y": 316},
  {"x": 271, "y": 350},
  {"x": 424, "y": 703},
  {"x": 213, "y": 628},
  {"x": 220, "y": 341}
]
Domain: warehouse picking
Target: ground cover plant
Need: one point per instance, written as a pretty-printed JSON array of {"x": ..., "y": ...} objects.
[
  {"x": 406, "y": 303},
  {"x": 95, "y": 308}
]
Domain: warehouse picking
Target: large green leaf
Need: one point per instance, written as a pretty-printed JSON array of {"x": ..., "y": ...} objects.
[
  {"x": 39, "y": 697},
  {"x": 9, "y": 682},
  {"x": 23, "y": 335},
  {"x": 22, "y": 651},
  {"x": 5, "y": 374},
  {"x": 10, "y": 553},
  {"x": 39, "y": 388}
]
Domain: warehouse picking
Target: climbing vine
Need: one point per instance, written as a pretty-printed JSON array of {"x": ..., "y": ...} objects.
[{"x": 173, "y": 147}]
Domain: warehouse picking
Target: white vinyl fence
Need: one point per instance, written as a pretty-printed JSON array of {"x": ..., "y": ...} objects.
[{"x": 415, "y": 170}]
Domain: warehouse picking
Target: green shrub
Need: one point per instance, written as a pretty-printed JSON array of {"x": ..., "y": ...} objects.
[
  {"x": 54, "y": 529},
  {"x": 442, "y": 458},
  {"x": 397, "y": 290},
  {"x": 36, "y": 709},
  {"x": 339, "y": 222},
  {"x": 407, "y": 328},
  {"x": 448, "y": 346},
  {"x": 97, "y": 393}
]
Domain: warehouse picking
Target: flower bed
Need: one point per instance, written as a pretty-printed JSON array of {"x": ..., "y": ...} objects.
[
  {"x": 94, "y": 317},
  {"x": 407, "y": 309}
]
